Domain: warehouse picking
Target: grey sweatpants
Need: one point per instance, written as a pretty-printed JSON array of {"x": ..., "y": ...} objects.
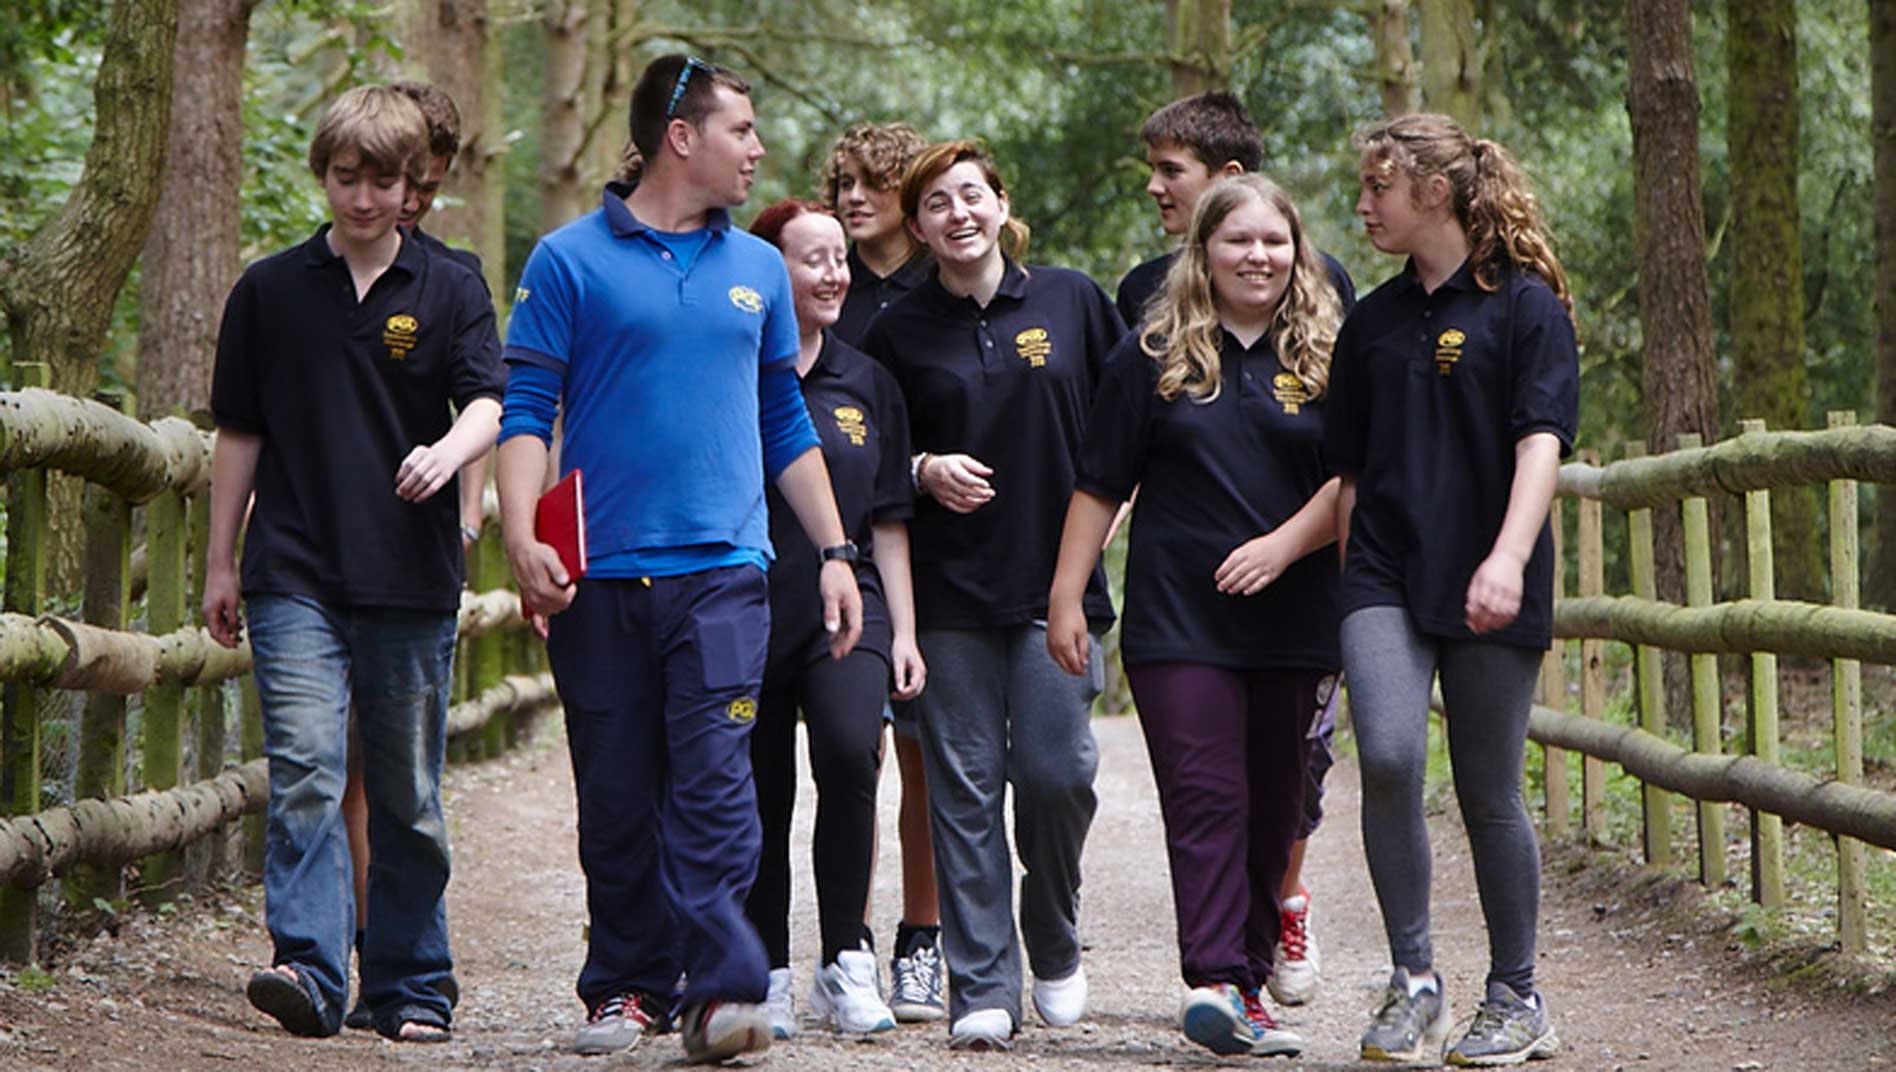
[
  {"x": 1487, "y": 689},
  {"x": 998, "y": 710}
]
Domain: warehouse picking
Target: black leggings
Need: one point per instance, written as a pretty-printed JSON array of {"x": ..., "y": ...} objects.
[{"x": 842, "y": 705}]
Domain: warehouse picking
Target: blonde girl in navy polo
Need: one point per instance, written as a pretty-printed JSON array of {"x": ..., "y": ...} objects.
[
  {"x": 1453, "y": 396},
  {"x": 1215, "y": 409},
  {"x": 998, "y": 363}
]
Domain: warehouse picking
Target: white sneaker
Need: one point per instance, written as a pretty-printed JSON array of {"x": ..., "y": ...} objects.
[
  {"x": 715, "y": 1031},
  {"x": 780, "y": 1006},
  {"x": 846, "y": 994},
  {"x": 1061, "y": 1002},
  {"x": 983, "y": 1030},
  {"x": 1296, "y": 966}
]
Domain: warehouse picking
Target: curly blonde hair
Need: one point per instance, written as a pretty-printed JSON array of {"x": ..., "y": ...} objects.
[
  {"x": 1183, "y": 333},
  {"x": 1491, "y": 197},
  {"x": 882, "y": 150}
]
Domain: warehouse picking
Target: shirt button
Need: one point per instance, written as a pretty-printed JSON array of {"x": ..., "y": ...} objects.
[
  {"x": 990, "y": 344},
  {"x": 665, "y": 254}
]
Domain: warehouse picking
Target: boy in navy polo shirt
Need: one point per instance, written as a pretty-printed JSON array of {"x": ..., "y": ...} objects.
[
  {"x": 1191, "y": 143},
  {"x": 668, "y": 340},
  {"x": 337, "y": 363}
]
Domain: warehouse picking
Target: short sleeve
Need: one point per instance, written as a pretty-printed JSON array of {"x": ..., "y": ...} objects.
[
  {"x": 234, "y": 402},
  {"x": 1113, "y": 455},
  {"x": 474, "y": 367},
  {"x": 780, "y": 343},
  {"x": 1104, "y": 328},
  {"x": 1543, "y": 368},
  {"x": 1340, "y": 281},
  {"x": 1346, "y": 403},
  {"x": 540, "y": 329},
  {"x": 895, "y": 495}
]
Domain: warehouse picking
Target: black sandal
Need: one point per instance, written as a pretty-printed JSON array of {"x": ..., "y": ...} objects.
[
  {"x": 390, "y": 1026},
  {"x": 291, "y": 1001}
]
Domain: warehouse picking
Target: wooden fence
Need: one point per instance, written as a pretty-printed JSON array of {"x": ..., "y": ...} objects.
[
  {"x": 1759, "y": 626},
  {"x": 162, "y": 471}
]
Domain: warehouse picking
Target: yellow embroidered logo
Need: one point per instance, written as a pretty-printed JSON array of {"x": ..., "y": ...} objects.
[
  {"x": 521, "y": 294},
  {"x": 1033, "y": 346},
  {"x": 850, "y": 422},
  {"x": 1448, "y": 350},
  {"x": 399, "y": 334},
  {"x": 742, "y": 709},
  {"x": 747, "y": 299},
  {"x": 1289, "y": 391}
]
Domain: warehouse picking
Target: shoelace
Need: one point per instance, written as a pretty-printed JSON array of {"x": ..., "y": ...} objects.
[
  {"x": 922, "y": 968},
  {"x": 1490, "y": 1018},
  {"x": 1295, "y": 936},
  {"x": 1395, "y": 1004},
  {"x": 629, "y": 1006},
  {"x": 1255, "y": 1011}
]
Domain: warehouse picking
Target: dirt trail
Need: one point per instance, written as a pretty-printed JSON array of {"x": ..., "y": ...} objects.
[{"x": 167, "y": 992}]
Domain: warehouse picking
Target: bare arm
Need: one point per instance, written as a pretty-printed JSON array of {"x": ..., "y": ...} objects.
[
  {"x": 1087, "y": 519},
  {"x": 892, "y": 562},
  {"x": 1257, "y": 562},
  {"x": 233, "y": 478},
  {"x": 805, "y": 484},
  {"x": 473, "y": 486},
  {"x": 1345, "y": 506},
  {"x": 1494, "y": 593},
  {"x": 428, "y": 467}
]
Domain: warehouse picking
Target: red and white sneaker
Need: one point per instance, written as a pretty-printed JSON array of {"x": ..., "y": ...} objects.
[
  {"x": 1271, "y": 1040},
  {"x": 1296, "y": 966}
]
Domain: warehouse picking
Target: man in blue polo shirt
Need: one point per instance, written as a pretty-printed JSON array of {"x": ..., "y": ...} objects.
[{"x": 668, "y": 340}]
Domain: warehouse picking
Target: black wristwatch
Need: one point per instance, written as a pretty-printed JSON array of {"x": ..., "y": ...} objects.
[{"x": 842, "y": 552}]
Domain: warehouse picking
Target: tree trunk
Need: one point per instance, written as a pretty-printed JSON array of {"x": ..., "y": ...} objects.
[
  {"x": 563, "y": 113},
  {"x": 455, "y": 46},
  {"x": 609, "y": 94},
  {"x": 191, "y": 257},
  {"x": 1767, "y": 278},
  {"x": 1201, "y": 45},
  {"x": 1395, "y": 60},
  {"x": 1451, "y": 61},
  {"x": 1882, "y": 580},
  {"x": 59, "y": 286},
  {"x": 1680, "y": 385}
]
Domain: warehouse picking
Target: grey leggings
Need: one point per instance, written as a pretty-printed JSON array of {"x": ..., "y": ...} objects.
[{"x": 1487, "y": 688}]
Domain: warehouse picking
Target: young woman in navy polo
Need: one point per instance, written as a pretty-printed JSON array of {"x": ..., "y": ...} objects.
[
  {"x": 998, "y": 364},
  {"x": 1216, "y": 409},
  {"x": 860, "y": 419},
  {"x": 1453, "y": 396}
]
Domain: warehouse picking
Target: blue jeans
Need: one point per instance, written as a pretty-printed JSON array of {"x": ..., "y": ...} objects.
[{"x": 313, "y": 660}]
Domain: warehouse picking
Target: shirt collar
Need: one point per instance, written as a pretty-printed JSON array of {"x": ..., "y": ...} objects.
[
  {"x": 1013, "y": 285},
  {"x": 317, "y": 254},
  {"x": 827, "y": 360},
  {"x": 1462, "y": 278},
  {"x": 624, "y": 225}
]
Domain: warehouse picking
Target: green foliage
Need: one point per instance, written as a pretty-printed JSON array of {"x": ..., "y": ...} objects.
[{"x": 35, "y": 980}]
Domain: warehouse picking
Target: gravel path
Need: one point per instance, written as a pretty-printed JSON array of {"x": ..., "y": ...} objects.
[{"x": 1629, "y": 991}]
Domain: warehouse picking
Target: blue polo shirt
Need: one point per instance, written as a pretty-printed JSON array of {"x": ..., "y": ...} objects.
[{"x": 675, "y": 371}]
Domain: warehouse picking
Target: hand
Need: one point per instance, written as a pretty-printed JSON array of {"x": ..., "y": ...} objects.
[
  {"x": 425, "y": 471},
  {"x": 545, "y": 589},
  {"x": 957, "y": 481},
  {"x": 910, "y": 672},
  {"x": 1251, "y": 566},
  {"x": 1494, "y": 593},
  {"x": 222, "y": 616},
  {"x": 842, "y": 606},
  {"x": 1067, "y": 639}
]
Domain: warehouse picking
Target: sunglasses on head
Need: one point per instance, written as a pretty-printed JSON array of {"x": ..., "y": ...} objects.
[{"x": 692, "y": 63}]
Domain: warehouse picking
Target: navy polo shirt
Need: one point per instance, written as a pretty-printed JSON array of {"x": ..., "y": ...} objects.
[
  {"x": 1213, "y": 475},
  {"x": 1429, "y": 393},
  {"x": 466, "y": 258},
  {"x": 860, "y": 418},
  {"x": 1142, "y": 282},
  {"x": 1010, "y": 384},
  {"x": 870, "y": 293},
  {"x": 659, "y": 356},
  {"x": 341, "y": 391}
]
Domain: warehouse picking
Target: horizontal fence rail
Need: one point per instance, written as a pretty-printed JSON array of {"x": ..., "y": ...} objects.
[{"x": 1744, "y": 470}]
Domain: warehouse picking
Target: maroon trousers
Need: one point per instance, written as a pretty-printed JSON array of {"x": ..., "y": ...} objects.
[{"x": 1229, "y": 755}]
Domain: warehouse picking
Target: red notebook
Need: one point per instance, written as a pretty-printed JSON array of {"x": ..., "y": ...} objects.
[{"x": 560, "y": 520}]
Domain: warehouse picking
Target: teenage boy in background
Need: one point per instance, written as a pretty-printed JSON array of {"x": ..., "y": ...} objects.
[
  {"x": 1190, "y": 144},
  {"x": 337, "y": 362},
  {"x": 444, "y": 141},
  {"x": 668, "y": 342}
]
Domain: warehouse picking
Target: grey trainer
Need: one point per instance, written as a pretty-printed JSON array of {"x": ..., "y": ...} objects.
[
  {"x": 1408, "y": 1028},
  {"x": 1509, "y": 1029},
  {"x": 615, "y": 1024}
]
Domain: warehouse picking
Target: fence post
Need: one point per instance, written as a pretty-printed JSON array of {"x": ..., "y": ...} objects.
[
  {"x": 209, "y": 858},
  {"x": 1592, "y": 672},
  {"x": 100, "y": 770},
  {"x": 1761, "y": 719},
  {"x": 1707, "y": 702},
  {"x": 1554, "y": 694},
  {"x": 1846, "y": 683},
  {"x": 162, "y": 736},
  {"x": 251, "y": 736},
  {"x": 20, "y": 714},
  {"x": 489, "y": 650},
  {"x": 1649, "y": 679}
]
